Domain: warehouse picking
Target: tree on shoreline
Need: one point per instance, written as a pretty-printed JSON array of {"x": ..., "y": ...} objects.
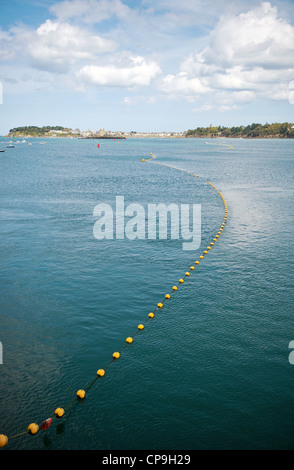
[
  {"x": 253, "y": 130},
  {"x": 35, "y": 130}
]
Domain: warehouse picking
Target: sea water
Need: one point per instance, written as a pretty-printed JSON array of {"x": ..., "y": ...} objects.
[{"x": 212, "y": 369}]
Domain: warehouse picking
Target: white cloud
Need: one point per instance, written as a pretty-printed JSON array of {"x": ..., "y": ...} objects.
[
  {"x": 181, "y": 85},
  {"x": 138, "y": 72},
  {"x": 205, "y": 107},
  {"x": 256, "y": 38},
  {"x": 138, "y": 99},
  {"x": 57, "y": 46},
  {"x": 226, "y": 101},
  {"x": 249, "y": 55},
  {"x": 54, "y": 46}
]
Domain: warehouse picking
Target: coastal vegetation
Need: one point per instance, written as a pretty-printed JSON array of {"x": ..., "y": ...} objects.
[
  {"x": 35, "y": 131},
  {"x": 255, "y": 130}
]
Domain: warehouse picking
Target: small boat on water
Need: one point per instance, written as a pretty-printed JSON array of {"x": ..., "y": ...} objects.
[
  {"x": 1, "y": 150},
  {"x": 10, "y": 146}
]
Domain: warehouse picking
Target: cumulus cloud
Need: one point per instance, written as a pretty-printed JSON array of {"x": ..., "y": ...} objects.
[
  {"x": 58, "y": 46},
  {"x": 249, "y": 55},
  {"x": 256, "y": 38},
  {"x": 138, "y": 72},
  {"x": 183, "y": 85},
  {"x": 54, "y": 46}
]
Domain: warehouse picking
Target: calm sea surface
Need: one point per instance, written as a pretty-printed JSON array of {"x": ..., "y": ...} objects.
[{"x": 211, "y": 370}]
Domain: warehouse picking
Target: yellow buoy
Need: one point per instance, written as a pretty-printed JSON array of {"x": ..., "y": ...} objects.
[
  {"x": 129, "y": 340},
  {"x": 160, "y": 305},
  {"x": 116, "y": 355},
  {"x": 187, "y": 273},
  {"x": 81, "y": 394},
  {"x": 151, "y": 153},
  {"x": 101, "y": 372},
  {"x": 217, "y": 236},
  {"x": 212, "y": 244},
  {"x": 167, "y": 296},
  {"x": 181, "y": 281},
  {"x": 140, "y": 327},
  {"x": 33, "y": 428},
  {"x": 209, "y": 247},
  {"x": 192, "y": 268},
  {"x": 175, "y": 288},
  {"x": 151, "y": 315},
  {"x": 214, "y": 239},
  {"x": 59, "y": 412},
  {"x": 3, "y": 440},
  {"x": 143, "y": 159},
  {"x": 205, "y": 252},
  {"x": 201, "y": 257},
  {"x": 196, "y": 262}
]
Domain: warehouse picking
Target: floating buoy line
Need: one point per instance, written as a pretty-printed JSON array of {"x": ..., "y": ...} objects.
[
  {"x": 220, "y": 144},
  {"x": 59, "y": 412}
]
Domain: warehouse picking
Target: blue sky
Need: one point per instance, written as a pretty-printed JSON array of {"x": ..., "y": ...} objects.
[{"x": 145, "y": 65}]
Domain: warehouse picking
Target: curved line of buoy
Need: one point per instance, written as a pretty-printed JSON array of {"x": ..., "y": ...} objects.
[
  {"x": 220, "y": 144},
  {"x": 59, "y": 412}
]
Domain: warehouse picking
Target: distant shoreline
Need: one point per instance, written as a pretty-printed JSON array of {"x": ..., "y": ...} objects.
[
  {"x": 276, "y": 130},
  {"x": 24, "y": 136}
]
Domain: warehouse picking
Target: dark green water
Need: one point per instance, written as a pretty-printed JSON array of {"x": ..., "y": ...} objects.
[{"x": 211, "y": 370}]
